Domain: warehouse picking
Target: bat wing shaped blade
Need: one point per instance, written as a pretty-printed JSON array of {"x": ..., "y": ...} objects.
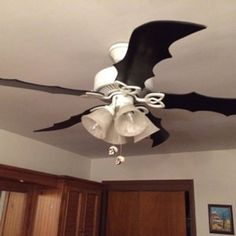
[
  {"x": 148, "y": 45},
  {"x": 44, "y": 88},
  {"x": 197, "y": 102},
  {"x": 160, "y": 136},
  {"x": 73, "y": 120}
]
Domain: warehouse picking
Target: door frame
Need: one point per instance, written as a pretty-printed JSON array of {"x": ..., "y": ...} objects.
[{"x": 152, "y": 185}]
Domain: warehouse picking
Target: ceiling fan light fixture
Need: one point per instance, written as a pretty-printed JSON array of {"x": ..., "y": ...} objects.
[
  {"x": 130, "y": 121},
  {"x": 127, "y": 86},
  {"x": 97, "y": 122}
]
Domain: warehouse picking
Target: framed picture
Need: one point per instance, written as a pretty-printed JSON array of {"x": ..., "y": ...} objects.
[{"x": 221, "y": 219}]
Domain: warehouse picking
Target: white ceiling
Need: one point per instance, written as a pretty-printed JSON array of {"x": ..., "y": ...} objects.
[{"x": 59, "y": 42}]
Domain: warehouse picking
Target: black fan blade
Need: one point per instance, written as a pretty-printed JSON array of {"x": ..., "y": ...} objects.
[
  {"x": 148, "y": 45},
  {"x": 197, "y": 102},
  {"x": 160, "y": 136},
  {"x": 44, "y": 88},
  {"x": 67, "y": 123}
]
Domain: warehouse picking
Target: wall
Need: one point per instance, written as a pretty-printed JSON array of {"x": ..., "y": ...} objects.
[
  {"x": 214, "y": 174},
  {"x": 16, "y": 150}
]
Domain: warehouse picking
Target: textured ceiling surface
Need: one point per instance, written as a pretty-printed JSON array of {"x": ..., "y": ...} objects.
[{"x": 66, "y": 43}]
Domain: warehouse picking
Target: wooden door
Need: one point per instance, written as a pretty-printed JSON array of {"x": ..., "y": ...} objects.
[
  {"x": 122, "y": 213},
  {"x": 91, "y": 214},
  {"x": 162, "y": 214},
  {"x": 46, "y": 213},
  {"x": 146, "y": 213},
  {"x": 73, "y": 217},
  {"x": 14, "y": 215},
  {"x": 82, "y": 213}
]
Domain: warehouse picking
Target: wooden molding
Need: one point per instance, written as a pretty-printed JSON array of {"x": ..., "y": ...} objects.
[
  {"x": 75, "y": 183},
  {"x": 142, "y": 185},
  {"x": 27, "y": 176}
]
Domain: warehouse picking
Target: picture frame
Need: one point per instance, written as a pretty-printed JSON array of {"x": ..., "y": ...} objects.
[{"x": 220, "y": 219}]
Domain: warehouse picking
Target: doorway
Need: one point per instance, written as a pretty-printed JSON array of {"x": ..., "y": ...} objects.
[{"x": 148, "y": 208}]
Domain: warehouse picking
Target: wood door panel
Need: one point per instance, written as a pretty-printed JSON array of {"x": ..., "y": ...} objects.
[
  {"x": 73, "y": 216},
  {"x": 82, "y": 212},
  {"x": 162, "y": 214},
  {"x": 122, "y": 215},
  {"x": 46, "y": 216},
  {"x": 15, "y": 214},
  {"x": 146, "y": 213},
  {"x": 91, "y": 214}
]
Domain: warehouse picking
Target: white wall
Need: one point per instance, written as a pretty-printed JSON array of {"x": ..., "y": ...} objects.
[
  {"x": 214, "y": 174},
  {"x": 16, "y": 150}
]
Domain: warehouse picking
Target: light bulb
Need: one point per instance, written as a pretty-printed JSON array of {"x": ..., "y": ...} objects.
[
  {"x": 130, "y": 116},
  {"x": 97, "y": 122},
  {"x": 96, "y": 130},
  {"x": 130, "y": 121},
  {"x": 95, "y": 126}
]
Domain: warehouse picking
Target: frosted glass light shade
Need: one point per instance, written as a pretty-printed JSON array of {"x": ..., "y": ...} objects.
[
  {"x": 130, "y": 121},
  {"x": 149, "y": 130},
  {"x": 97, "y": 122},
  {"x": 113, "y": 137},
  {"x": 130, "y": 125}
]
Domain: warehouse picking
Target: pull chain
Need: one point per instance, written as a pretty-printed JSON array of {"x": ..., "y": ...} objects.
[
  {"x": 114, "y": 150},
  {"x": 120, "y": 159}
]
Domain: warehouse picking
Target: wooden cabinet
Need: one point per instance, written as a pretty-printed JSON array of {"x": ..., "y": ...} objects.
[
  {"x": 49, "y": 205},
  {"x": 71, "y": 209},
  {"x": 80, "y": 209}
]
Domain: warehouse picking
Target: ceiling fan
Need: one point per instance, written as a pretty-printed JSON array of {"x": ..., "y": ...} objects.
[{"x": 126, "y": 88}]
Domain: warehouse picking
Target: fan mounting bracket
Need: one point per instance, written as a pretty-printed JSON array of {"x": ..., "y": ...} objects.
[{"x": 118, "y": 88}]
